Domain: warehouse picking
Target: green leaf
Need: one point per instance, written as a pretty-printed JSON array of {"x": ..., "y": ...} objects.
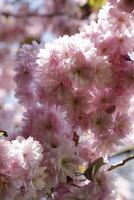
[
  {"x": 3, "y": 133},
  {"x": 91, "y": 171},
  {"x": 96, "y": 4}
]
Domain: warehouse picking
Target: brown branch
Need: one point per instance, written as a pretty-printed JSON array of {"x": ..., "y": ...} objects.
[
  {"x": 121, "y": 153},
  {"x": 121, "y": 163},
  {"x": 47, "y": 15}
]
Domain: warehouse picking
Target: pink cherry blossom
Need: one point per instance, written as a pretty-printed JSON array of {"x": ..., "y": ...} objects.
[{"x": 76, "y": 92}]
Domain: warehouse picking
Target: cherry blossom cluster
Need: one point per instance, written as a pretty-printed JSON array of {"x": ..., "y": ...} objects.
[
  {"x": 22, "y": 174},
  {"x": 77, "y": 94},
  {"x": 21, "y": 19}
]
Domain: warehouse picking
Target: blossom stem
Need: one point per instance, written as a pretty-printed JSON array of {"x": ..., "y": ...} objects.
[{"x": 121, "y": 163}]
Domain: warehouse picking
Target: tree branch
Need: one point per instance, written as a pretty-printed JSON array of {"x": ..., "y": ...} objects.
[
  {"x": 23, "y": 15},
  {"x": 128, "y": 151},
  {"x": 121, "y": 163}
]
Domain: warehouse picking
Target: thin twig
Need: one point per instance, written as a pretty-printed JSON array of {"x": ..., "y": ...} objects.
[
  {"x": 23, "y": 15},
  {"x": 121, "y": 163},
  {"x": 39, "y": 15},
  {"x": 129, "y": 150}
]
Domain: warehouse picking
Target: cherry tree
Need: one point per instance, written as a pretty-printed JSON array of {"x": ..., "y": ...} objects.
[{"x": 76, "y": 98}]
